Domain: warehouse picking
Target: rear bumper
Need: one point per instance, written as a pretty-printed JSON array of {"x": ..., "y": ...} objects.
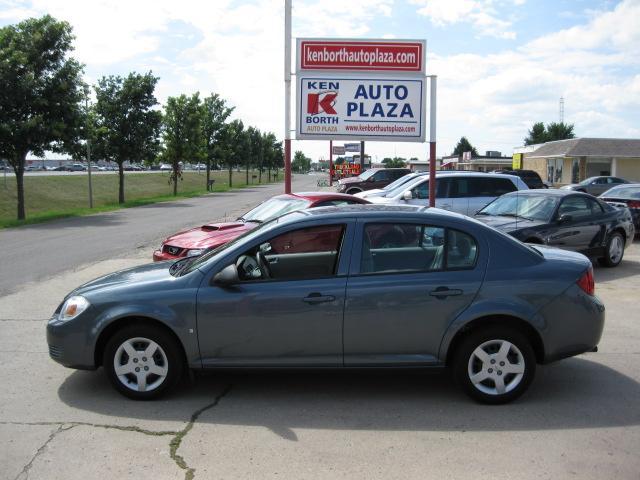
[{"x": 574, "y": 323}]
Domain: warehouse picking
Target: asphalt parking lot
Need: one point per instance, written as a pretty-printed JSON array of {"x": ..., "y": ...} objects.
[{"x": 580, "y": 418}]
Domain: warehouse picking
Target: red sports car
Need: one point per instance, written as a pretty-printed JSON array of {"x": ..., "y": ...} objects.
[{"x": 196, "y": 241}]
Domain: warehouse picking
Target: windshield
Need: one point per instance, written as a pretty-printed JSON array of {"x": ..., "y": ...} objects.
[
  {"x": 401, "y": 181},
  {"x": 623, "y": 192},
  {"x": 405, "y": 186},
  {"x": 587, "y": 181},
  {"x": 529, "y": 207},
  {"x": 273, "y": 208},
  {"x": 367, "y": 174}
]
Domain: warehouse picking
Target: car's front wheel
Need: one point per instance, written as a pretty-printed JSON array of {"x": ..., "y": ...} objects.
[
  {"x": 142, "y": 361},
  {"x": 494, "y": 365},
  {"x": 353, "y": 191},
  {"x": 614, "y": 251}
]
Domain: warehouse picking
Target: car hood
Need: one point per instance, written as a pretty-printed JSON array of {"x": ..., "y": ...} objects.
[
  {"x": 376, "y": 192},
  {"x": 572, "y": 186},
  {"x": 209, "y": 235},
  {"x": 140, "y": 276},
  {"x": 507, "y": 224},
  {"x": 345, "y": 181}
]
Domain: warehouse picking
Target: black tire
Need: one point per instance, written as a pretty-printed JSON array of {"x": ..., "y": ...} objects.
[
  {"x": 515, "y": 383},
  {"x": 610, "y": 259},
  {"x": 168, "y": 356},
  {"x": 351, "y": 191}
]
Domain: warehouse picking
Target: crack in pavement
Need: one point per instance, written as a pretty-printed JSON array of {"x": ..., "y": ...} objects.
[
  {"x": 174, "y": 444},
  {"x": 24, "y": 473},
  {"x": 177, "y": 440}
]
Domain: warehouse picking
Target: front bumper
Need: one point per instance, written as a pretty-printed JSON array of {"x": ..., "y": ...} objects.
[
  {"x": 69, "y": 345},
  {"x": 160, "y": 256}
]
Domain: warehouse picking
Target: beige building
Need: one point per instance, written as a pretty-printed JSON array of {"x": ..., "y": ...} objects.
[{"x": 571, "y": 161}]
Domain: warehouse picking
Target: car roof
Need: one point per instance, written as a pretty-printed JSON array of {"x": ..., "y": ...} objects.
[
  {"x": 552, "y": 192},
  {"x": 316, "y": 196}
]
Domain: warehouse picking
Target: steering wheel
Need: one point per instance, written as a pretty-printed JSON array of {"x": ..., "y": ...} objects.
[{"x": 263, "y": 264}]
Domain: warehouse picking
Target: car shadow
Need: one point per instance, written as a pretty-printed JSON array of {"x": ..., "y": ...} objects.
[
  {"x": 574, "y": 394},
  {"x": 626, "y": 268}
]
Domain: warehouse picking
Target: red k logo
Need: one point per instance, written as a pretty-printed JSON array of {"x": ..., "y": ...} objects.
[{"x": 321, "y": 102}]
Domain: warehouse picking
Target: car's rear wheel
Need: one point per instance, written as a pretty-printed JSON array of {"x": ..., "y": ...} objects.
[
  {"x": 614, "y": 251},
  {"x": 353, "y": 191},
  {"x": 494, "y": 365},
  {"x": 142, "y": 361}
]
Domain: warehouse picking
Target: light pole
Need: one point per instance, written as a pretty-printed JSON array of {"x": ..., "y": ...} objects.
[
  {"x": 87, "y": 135},
  {"x": 287, "y": 96}
]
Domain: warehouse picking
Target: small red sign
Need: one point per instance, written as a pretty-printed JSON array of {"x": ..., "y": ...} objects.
[{"x": 361, "y": 55}]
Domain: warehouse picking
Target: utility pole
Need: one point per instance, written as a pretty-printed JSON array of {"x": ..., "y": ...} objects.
[
  {"x": 330, "y": 162},
  {"x": 87, "y": 134},
  {"x": 432, "y": 141},
  {"x": 287, "y": 96}
]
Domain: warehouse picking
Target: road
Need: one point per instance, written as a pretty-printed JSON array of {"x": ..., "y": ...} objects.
[{"x": 36, "y": 252}]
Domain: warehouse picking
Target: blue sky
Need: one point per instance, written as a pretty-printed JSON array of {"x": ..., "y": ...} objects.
[{"x": 501, "y": 64}]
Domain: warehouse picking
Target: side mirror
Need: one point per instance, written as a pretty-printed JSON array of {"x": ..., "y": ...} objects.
[
  {"x": 564, "y": 218},
  {"x": 407, "y": 195},
  {"x": 371, "y": 179},
  {"x": 227, "y": 276}
]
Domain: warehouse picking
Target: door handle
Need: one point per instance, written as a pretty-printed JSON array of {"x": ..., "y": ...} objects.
[
  {"x": 443, "y": 292},
  {"x": 315, "y": 298}
]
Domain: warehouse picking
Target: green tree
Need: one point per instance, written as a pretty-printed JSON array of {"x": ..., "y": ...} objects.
[
  {"x": 40, "y": 93},
  {"x": 300, "y": 162},
  {"x": 553, "y": 131},
  {"x": 273, "y": 156},
  {"x": 395, "y": 162},
  {"x": 464, "y": 146},
  {"x": 232, "y": 145},
  {"x": 559, "y": 131},
  {"x": 254, "y": 138},
  {"x": 182, "y": 134},
  {"x": 215, "y": 114},
  {"x": 537, "y": 134},
  {"x": 128, "y": 125}
]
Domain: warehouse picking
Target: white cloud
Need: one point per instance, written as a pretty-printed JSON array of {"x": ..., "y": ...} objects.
[
  {"x": 236, "y": 50},
  {"x": 480, "y": 13}
]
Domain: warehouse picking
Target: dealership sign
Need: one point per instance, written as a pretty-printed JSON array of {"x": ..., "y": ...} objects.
[
  {"x": 361, "y": 90},
  {"x": 361, "y": 55},
  {"x": 368, "y": 108},
  {"x": 338, "y": 150}
]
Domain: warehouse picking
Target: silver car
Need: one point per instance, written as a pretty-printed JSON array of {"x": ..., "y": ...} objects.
[
  {"x": 339, "y": 287},
  {"x": 459, "y": 192},
  {"x": 596, "y": 185}
]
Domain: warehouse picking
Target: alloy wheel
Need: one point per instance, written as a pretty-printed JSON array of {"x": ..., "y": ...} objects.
[
  {"x": 496, "y": 367},
  {"x": 140, "y": 364}
]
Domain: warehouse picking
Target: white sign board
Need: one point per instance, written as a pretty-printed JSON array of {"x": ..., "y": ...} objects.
[
  {"x": 352, "y": 147},
  {"x": 381, "y": 108}
]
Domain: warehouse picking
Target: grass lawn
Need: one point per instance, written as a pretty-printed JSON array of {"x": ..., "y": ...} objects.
[{"x": 57, "y": 196}]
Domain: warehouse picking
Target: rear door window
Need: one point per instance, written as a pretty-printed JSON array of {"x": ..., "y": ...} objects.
[{"x": 399, "y": 248}]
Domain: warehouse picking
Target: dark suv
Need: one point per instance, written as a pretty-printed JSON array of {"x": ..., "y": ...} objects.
[
  {"x": 372, "y": 178},
  {"x": 530, "y": 177}
]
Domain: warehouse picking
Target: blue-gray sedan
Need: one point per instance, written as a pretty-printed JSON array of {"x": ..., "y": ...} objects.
[{"x": 351, "y": 287}]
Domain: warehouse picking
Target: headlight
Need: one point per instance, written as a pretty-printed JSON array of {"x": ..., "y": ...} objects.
[
  {"x": 73, "y": 307},
  {"x": 195, "y": 253}
]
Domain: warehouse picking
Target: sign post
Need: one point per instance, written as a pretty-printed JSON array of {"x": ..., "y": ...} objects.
[
  {"x": 287, "y": 96},
  {"x": 330, "y": 163},
  {"x": 432, "y": 141}
]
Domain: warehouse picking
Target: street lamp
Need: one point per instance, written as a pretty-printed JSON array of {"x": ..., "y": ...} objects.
[{"x": 87, "y": 135}]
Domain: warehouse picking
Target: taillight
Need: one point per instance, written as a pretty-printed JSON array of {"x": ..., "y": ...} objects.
[
  {"x": 634, "y": 204},
  {"x": 586, "y": 282}
]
